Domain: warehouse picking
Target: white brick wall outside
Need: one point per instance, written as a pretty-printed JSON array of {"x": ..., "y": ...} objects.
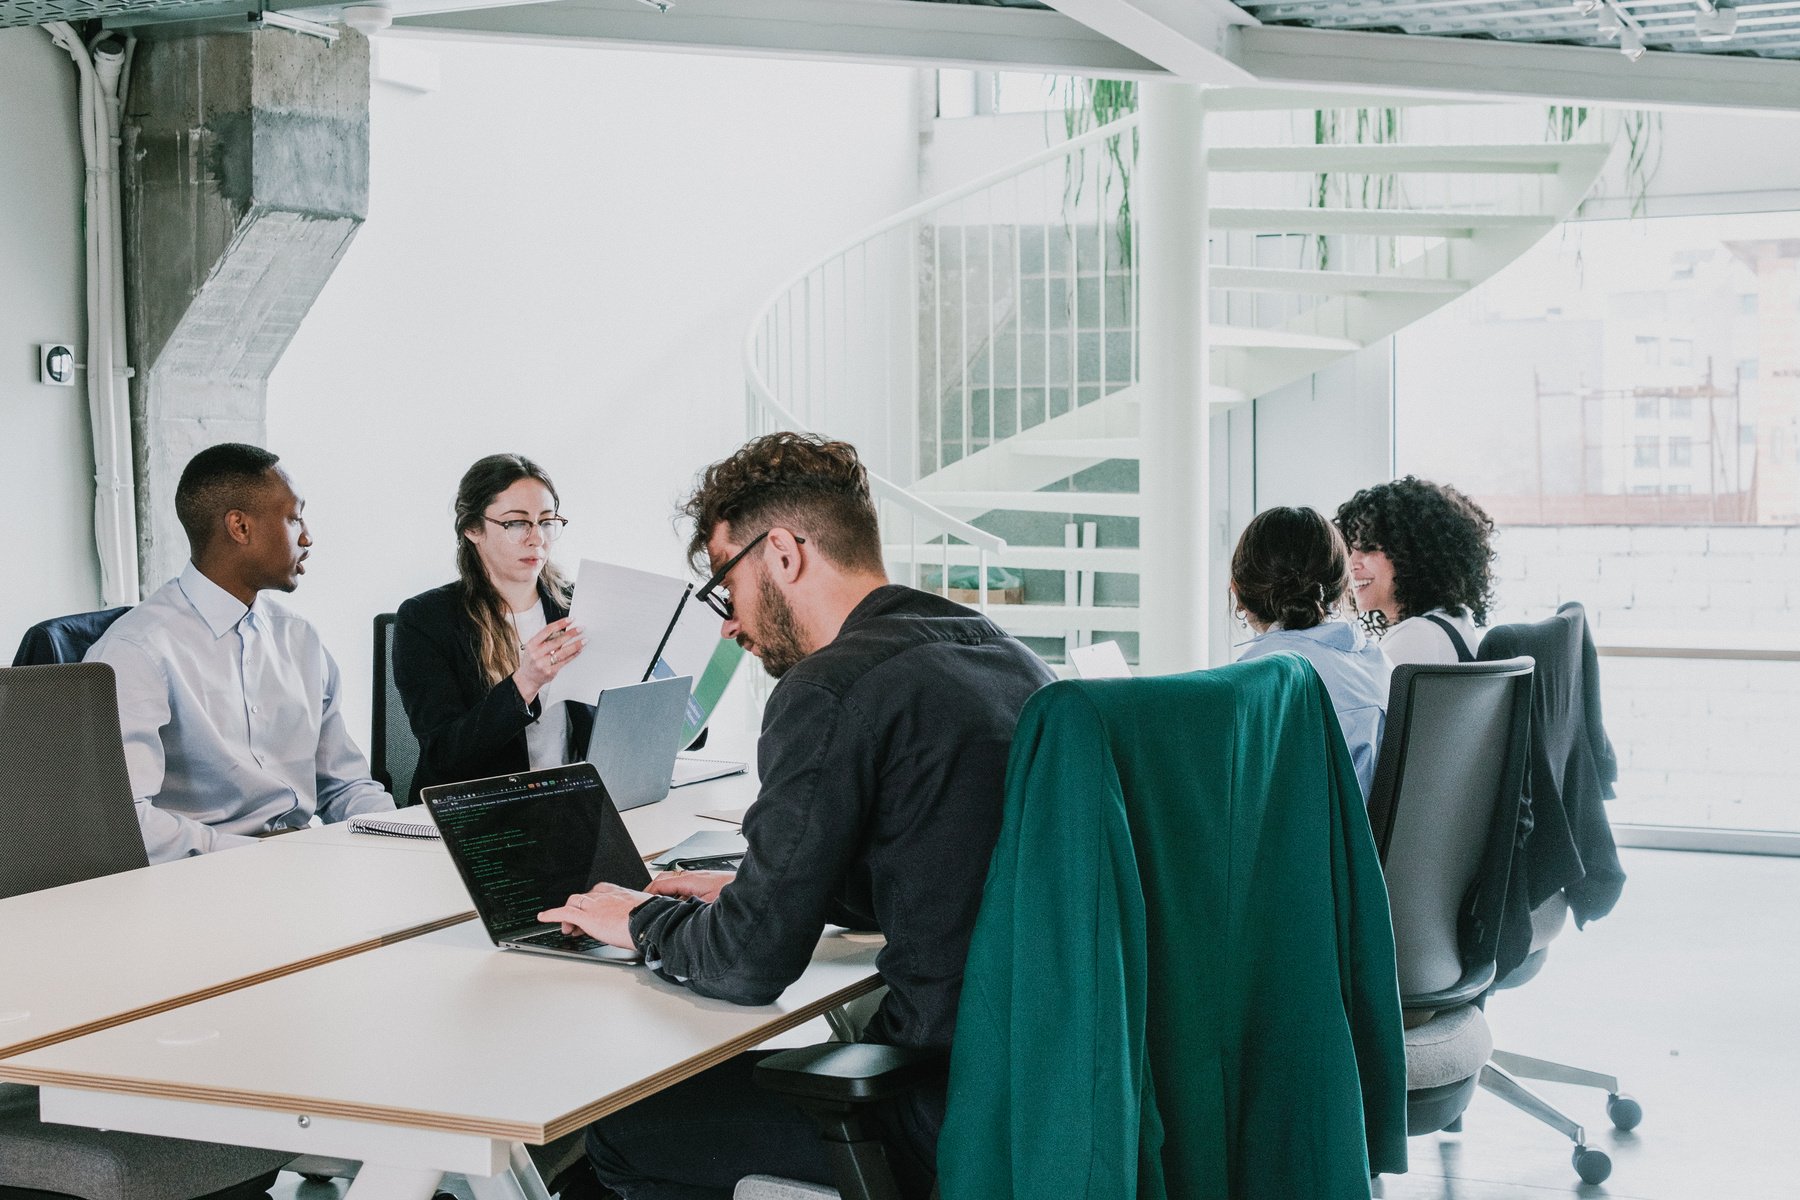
[{"x": 1714, "y": 744}]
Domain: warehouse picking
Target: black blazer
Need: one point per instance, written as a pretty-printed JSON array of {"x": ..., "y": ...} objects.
[
  {"x": 466, "y": 728},
  {"x": 1572, "y": 770}
]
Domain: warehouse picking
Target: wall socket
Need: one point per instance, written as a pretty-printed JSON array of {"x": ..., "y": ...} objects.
[{"x": 56, "y": 364}]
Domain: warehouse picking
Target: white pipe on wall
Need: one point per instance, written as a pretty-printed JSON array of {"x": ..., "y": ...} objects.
[{"x": 109, "y": 401}]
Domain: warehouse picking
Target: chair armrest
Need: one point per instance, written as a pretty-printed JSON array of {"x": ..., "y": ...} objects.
[
  {"x": 848, "y": 1072},
  {"x": 1476, "y": 980}
]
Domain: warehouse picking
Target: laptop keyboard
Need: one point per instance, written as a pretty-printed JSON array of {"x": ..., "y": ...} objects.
[{"x": 556, "y": 939}]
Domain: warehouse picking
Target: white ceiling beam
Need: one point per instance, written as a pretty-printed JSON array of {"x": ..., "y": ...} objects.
[
  {"x": 976, "y": 37},
  {"x": 1467, "y": 68},
  {"x": 1187, "y": 38}
]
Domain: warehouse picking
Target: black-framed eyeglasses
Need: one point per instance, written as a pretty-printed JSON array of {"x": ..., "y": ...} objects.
[
  {"x": 518, "y": 529},
  {"x": 714, "y": 594}
]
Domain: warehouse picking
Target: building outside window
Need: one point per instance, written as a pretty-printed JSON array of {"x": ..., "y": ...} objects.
[{"x": 1624, "y": 400}]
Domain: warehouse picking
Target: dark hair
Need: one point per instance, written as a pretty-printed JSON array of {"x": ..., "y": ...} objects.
[
  {"x": 1438, "y": 539},
  {"x": 215, "y": 481},
  {"x": 815, "y": 486},
  {"x": 496, "y": 646},
  {"x": 1290, "y": 568}
]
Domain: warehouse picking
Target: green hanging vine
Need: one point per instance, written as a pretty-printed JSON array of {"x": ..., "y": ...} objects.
[
  {"x": 1089, "y": 104},
  {"x": 1361, "y": 127},
  {"x": 1642, "y": 132}
]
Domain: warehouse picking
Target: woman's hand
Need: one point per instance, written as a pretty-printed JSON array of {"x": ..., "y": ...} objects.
[{"x": 545, "y": 655}]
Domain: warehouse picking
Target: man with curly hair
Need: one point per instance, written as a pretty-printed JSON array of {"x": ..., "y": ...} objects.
[
  {"x": 882, "y": 762},
  {"x": 1421, "y": 568}
]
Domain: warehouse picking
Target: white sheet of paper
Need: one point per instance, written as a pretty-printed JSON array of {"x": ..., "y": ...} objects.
[
  {"x": 624, "y": 613},
  {"x": 1102, "y": 660},
  {"x": 691, "y": 646}
]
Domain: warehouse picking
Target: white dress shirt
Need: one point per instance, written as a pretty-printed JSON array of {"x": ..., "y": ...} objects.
[
  {"x": 232, "y": 720},
  {"x": 547, "y": 737},
  {"x": 1416, "y": 640}
]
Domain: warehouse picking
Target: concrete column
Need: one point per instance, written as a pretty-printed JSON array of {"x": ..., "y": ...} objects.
[
  {"x": 246, "y": 174},
  {"x": 1175, "y": 598}
]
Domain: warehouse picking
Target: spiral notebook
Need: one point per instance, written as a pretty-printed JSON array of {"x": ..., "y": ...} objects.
[{"x": 396, "y": 824}]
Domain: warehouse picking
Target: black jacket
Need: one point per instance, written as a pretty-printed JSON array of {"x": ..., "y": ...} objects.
[
  {"x": 466, "y": 728},
  {"x": 1571, "y": 771},
  {"x": 883, "y": 765}
]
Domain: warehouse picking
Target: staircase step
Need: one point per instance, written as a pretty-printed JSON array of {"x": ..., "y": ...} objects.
[
  {"x": 1402, "y": 158},
  {"x": 1412, "y": 222},
  {"x": 1099, "y": 504},
  {"x": 1242, "y": 337},
  {"x": 1053, "y": 620},
  {"x": 1328, "y": 283},
  {"x": 1123, "y": 559},
  {"x": 1079, "y": 448}
]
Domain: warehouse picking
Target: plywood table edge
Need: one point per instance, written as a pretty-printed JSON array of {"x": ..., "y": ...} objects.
[
  {"x": 688, "y": 1068},
  {"x": 534, "y": 1134},
  {"x": 227, "y": 986}
]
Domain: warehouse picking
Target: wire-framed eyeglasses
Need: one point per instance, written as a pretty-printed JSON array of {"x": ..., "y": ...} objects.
[
  {"x": 518, "y": 529},
  {"x": 714, "y": 594}
]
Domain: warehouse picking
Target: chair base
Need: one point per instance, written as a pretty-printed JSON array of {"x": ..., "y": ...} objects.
[
  {"x": 1429, "y": 1110},
  {"x": 1553, "y": 1072}
]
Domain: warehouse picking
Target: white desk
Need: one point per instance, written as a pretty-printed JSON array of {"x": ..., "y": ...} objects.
[
  {"x": 93, "y": 954},
  {"x": 482, "y": 1049}
]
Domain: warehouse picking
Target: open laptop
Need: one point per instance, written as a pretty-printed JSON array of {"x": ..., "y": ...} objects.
[
  {"x": 527, "y": 842},
  {"x": 1102, "y": 660},
  {"x": 637, "y": 730}
]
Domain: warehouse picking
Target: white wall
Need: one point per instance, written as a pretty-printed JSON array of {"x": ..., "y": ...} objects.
[
  {"x": 46, "y": 463},
  {"x": 564, "y": 250}
]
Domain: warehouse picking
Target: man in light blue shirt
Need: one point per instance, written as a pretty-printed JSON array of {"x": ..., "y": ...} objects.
[{"x": 229, "y": 703}]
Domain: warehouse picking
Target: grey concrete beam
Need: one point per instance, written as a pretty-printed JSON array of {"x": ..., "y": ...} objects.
[{"x": 246, "y": 176}]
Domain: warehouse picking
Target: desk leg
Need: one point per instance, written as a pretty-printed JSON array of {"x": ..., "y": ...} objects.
[
  {"x": 376, "y": 1182},
  {"x": 520, "y": 1181}
]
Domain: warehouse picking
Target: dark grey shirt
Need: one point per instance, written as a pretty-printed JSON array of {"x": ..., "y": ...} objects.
[{"x": 883, "y": 763}]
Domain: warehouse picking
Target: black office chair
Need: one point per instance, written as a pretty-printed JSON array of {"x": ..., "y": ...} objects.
[
  {"x": 1445, "y": 810},
  {"x": 1570, "y": 863},
  {"x": 392, "y": 746},
  {"x": 66, "y": 815},
  {"x": 64, "y": 639}
]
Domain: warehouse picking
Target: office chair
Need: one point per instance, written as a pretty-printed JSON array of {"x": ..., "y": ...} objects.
[
  {"x": 1445, "y": 810},
  {"x": 1570, "y": 862},
  {"x": 392, "y": 746},
  {"x": 64, "y": 639},
  {"x": 66, "y": 815},
  {"x": 1182, "y": 974}
]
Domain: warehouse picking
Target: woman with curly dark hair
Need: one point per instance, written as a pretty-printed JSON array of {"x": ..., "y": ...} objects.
[{"x": 1421, "y": 568}]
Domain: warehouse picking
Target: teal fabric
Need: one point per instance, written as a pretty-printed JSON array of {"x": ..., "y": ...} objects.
[{"x": 1182, "y": 977}]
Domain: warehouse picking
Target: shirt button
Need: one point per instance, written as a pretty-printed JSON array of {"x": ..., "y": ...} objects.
[{"x": 255, "y": 709}]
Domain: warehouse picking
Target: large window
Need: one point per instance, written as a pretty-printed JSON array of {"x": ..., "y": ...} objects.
[{"x": 1625, "y": 402}]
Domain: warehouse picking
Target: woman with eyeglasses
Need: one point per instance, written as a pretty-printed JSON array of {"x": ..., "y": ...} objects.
[{"x": 471, "y": 657}]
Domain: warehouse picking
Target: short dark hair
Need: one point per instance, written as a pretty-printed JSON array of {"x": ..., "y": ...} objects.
[
  {"x": 1439, "y": 540},
  {"x": 215, "y": 481},
  {"x": 1290, "y": 567},
  {"x": 809, "y": 483}
]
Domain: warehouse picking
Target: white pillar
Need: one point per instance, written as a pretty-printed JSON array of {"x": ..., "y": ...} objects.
[{"x": 1173, "y": 597}]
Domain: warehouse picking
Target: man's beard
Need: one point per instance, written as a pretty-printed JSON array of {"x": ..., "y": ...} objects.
[{"x": 777, "y": 637}]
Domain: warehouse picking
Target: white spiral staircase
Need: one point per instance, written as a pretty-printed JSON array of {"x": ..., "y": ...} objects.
[{"x": 980, "y": 348}]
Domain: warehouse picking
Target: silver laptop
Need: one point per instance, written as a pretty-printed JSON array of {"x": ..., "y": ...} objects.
[
  {"x": 637, "y": 730},
  {"x": 527, "y": 842}
]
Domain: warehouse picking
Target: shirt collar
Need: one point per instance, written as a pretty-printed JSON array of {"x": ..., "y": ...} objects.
[
  {"x": 217, "y": 607},
  {"x": 1337, "y": 633}
]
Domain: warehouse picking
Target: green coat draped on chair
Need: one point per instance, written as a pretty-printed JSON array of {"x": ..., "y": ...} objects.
[{"x": 1182, "y": 976}]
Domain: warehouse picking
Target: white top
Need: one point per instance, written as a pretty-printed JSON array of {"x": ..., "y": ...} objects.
[
  {"x": 232, "y": 720},
  {"x": 1416, "y": 640},
  {"x": 547, "y": 738}
]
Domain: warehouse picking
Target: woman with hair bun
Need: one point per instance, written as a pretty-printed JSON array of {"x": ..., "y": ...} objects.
[
  {"x": 1421, "y": 568},
  {"x": 1288, "y": 578}
]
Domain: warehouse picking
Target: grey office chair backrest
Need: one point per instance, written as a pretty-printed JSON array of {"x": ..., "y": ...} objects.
[
  {"x": 391, "y": 741},
  {"x": 1445, "y": 807},
  {"x": 66, "y": 812}
]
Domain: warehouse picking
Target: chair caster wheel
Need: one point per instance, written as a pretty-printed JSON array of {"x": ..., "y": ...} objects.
[
  {"x": 1592, "y": 1165},
  {"x": 1625, "y": 1112}
]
